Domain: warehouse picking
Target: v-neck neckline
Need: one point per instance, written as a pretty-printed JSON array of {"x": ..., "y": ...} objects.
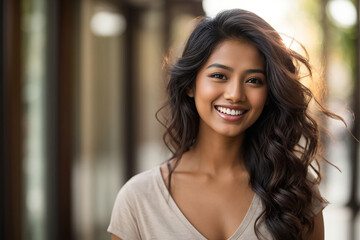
[{"x": 175, "y": 208}]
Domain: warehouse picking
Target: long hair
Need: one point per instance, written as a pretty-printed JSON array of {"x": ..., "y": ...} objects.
[{"x": 280, "y": 147}]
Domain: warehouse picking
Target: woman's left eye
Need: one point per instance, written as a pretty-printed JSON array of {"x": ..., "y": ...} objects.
[
  {"x": 219, "y": 76},
  {"x": 255, "y": 81}
]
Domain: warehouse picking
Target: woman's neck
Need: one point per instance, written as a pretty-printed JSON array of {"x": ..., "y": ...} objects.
[{"x": 215, "y": 154}]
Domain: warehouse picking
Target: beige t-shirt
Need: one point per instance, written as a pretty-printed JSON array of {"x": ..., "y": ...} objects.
[{"x": 144, "y": 209}]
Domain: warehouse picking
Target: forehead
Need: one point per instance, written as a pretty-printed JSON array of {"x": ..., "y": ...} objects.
[{"x": 233, "y": 52}]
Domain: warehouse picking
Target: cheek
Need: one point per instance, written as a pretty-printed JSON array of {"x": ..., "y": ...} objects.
[
  {"x": 206, "y": 91},
  {"x": 257, "y": 98}
]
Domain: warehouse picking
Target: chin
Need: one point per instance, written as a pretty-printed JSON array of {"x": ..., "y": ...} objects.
[{"x": 231, "y": 133}]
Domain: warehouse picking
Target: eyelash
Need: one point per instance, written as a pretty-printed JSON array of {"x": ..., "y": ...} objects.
[
  {"x": 258, "y": 81},
  {"x": 250, "y": 80},
  {"x": 219, "y": 76}
]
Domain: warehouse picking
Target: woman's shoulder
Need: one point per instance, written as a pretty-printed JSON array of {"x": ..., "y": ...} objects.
[
  {"x": 142, "y": 180},
  {"x": 131, "y": 202},
  {"x": 318, "y": 202}
]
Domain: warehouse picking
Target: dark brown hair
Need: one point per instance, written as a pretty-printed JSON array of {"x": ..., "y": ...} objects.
[{"x": 278, "y": 164}]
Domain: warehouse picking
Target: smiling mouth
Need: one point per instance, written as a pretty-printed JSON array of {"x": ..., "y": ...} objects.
[{"x": 229, "y": 111}]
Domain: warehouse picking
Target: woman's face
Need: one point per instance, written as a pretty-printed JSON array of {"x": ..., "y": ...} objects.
[{"x": 231, "y": 88}]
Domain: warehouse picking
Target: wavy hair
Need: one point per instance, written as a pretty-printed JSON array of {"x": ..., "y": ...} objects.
[{"x": 281, "y": 146}]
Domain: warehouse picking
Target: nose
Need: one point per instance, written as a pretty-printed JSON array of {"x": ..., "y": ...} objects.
[{"x": 235, "y": 91}]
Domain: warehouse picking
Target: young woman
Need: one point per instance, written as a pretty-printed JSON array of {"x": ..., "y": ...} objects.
[{"x": 242, "y": 140}]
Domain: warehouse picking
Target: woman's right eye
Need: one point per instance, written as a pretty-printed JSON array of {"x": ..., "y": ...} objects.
[{"x": 219, "y": 76}]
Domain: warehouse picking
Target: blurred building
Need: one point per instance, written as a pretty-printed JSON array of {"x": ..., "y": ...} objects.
[{"x": 81, "y": 82}]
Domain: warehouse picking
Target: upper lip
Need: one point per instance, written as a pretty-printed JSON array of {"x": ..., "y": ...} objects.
[{"x": 232, "y": 107}]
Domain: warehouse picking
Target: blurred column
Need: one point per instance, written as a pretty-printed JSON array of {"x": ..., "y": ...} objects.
[
  {"x": 34, "y": 118},
  {"x": 160, "y": 30},
  {"x": 342, "y": 76},
  {"x": 98, "y": 167},
  {"x": 11, "y": 120},
  {"x": 65, "y": 109},
  {"x": 356, "y": 132},
  {"x": 354, "y": 200},
  {"x": 325, "y": 30},
  {"x": 147, "y": 87}
]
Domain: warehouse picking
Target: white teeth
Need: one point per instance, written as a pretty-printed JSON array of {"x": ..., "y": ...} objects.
[{"x": 229, "y": 111}]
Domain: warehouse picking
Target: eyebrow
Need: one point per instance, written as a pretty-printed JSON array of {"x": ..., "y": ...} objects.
[{"x": 218, "y": 65}]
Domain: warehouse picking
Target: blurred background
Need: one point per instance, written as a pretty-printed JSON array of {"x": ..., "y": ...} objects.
[{"x": 81, "y": 82}]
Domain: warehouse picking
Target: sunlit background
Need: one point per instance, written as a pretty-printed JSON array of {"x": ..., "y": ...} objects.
[{"x": 92, "y": 79}]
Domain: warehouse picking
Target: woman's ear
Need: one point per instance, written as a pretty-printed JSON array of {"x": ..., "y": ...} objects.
[{"x": 190, "y": 92}]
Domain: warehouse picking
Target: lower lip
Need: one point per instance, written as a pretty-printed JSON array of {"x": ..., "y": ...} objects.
[{"x": 229, "y": 117}]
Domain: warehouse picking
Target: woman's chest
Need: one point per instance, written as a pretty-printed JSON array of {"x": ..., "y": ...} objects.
[{"x": 215, "y": 209}]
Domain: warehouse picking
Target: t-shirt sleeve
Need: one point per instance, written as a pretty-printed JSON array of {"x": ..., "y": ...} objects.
[{"x": 123, "y": 221}]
